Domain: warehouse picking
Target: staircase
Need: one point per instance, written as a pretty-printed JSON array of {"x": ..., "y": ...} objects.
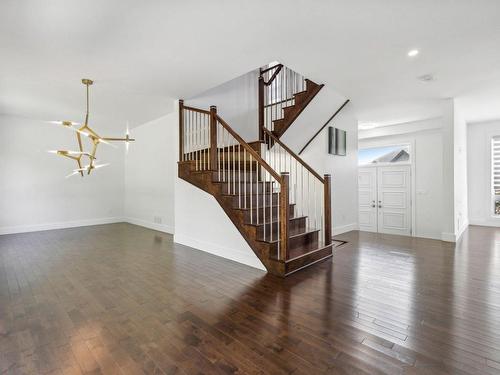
[
  {"x": 283, "y": 95},
  {"x": 279, "y": 204}
]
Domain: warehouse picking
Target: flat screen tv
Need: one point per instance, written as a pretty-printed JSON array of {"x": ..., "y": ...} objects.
[{"x": 336, "y": 141}]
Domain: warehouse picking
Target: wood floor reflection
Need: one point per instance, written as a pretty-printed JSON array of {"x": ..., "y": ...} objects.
[{"x": 121, "y": 299}]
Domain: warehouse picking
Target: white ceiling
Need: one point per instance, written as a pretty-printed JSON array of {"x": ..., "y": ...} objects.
[{"x": 142, "y": 53}]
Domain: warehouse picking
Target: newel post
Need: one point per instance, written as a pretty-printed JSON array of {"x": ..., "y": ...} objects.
[
  {"x": 181, "y": 130},
  {"x": 213, "y": 137},
  {"x": 261, "y": 108},
  {"x": 328, "y": 209},
  {"x": 284, "y": 216}
]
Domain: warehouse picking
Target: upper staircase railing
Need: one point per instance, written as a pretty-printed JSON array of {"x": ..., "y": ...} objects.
[
  {"x": 210, "y": 144},
  {"x": 307, "y": 189},
  {"x": 277, "y": 87}
]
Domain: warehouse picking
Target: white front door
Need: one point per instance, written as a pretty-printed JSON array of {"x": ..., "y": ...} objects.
[
  {"x": 393, "y": 203},
  {"x": 367, "y": 196},
  {"x": 385, "y": 199}
]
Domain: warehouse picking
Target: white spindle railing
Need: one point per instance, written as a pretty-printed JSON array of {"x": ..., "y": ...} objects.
[
  {"x": 253, "y": 184},
  {"x": 196, "y": 137},
  {"x": 280, "y": 85},
  {"x": 306, "y": 187}
]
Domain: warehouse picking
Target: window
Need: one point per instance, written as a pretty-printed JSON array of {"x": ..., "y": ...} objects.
[
  {"x": 495, "y": 174},
  {"x": 384, "y": 155}
]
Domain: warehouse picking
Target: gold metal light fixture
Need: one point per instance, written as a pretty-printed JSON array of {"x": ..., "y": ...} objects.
[{"x": 96, "y": 139}]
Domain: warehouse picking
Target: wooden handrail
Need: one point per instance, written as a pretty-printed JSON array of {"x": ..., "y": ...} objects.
[
  {"x": 196, "y": 109},
  {"x": 276, "y": 72},
  {"x": 295, "y": 156},
  {"x": 281, "y": 101},
  {"x": 319, "y": 131},
  {"x": 250, "y": 150},
  {"x": 262, "y": 71}
]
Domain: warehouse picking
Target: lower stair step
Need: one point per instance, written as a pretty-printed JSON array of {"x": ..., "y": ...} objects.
[
  {"x": 306, "y": 259},
  {"x": 254, "y": 215},
  {"x": 301, "y": 242},
  {"x": 271, "y": 229}
]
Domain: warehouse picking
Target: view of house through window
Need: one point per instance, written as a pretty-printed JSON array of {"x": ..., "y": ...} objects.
[
  {"x": 495, "y": 174},
  {"x": 383, "y": 155}
]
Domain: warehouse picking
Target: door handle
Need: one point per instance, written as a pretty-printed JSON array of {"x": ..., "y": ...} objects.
[
  {"x": 373, "y": 204},
  {"x": 379, "y": 206}
]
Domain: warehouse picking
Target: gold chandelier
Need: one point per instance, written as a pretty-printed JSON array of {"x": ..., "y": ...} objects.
[{"x": 85, "y": 130}]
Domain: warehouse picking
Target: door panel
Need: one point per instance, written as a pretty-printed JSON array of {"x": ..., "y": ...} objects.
[
  {"x": 367, "y": 196},
  {"x": 394, "y": 199}
]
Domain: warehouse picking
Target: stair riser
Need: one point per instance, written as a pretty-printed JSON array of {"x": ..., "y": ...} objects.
[
  {"x": 240, "y": 176},
  {"x": 305, "y": 242},
  {"x": 296, "y": 226},
  {"x": 251, "y": 188},
  {"x": 255, "y": 199},
  {"x": 270, "y": 215}
]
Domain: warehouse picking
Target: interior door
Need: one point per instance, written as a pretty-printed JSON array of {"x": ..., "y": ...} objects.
[
  {"x": 394, "y": 200},
  {"x": 367, "y": 196}
]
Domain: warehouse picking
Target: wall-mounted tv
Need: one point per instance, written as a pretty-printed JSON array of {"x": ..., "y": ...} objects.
[{"x": 336, "y": 141}]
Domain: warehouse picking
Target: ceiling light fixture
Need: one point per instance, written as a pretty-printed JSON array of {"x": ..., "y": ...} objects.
[
  {"x": 86, "y": 131},
  {"x": 413, "y": 53}
]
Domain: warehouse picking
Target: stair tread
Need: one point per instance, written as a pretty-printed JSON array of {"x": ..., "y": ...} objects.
[
  {"x": 260, "y": 206},
  {"x": 309, "y": 252},
  {"x": 306, "y": 232},
  {"x": 276, "y": 221},
  {"x": 249, "y": 194}
]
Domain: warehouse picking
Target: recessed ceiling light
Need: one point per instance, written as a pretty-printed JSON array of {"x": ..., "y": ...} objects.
[{"x": 413, "y": 53}]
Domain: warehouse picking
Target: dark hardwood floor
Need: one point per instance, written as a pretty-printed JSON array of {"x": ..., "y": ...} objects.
[{"x": 121, "y": 299}]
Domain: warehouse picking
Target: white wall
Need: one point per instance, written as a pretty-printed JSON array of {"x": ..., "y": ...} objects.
[
  {"x": 343, "y": 169},
  {"x": 426, "y": 140},
  {"x": 34, "y": 193},
  {"x": 479, "y": 172},
  {"x": 461, "y": 210},
  {"x": 150, "y": 170},
  {"x": 201, "y": 223},
  {"x": 237, "y": 103}
]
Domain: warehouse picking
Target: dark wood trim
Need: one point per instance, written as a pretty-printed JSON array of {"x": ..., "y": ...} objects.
[
  {"x": 307, "y": 166},
  {"x": 295, "y": 110},
  {"x": 197, "y": 110},
  {"x": 261, "y": 107},
  {"x": 181, "y": 129},
  {"x": 281, "y": 101},
  {"x": 262, "y": 71},
  {"x": 284, "y": 216},
  {"x": 328, "y": 209},
  {"x": 213, "y": 138},
  {"x": 320, "y": 130},
  {"x": 273, "y": 77}
]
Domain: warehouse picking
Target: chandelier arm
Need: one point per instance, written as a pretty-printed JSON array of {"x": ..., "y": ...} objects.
[
  {"x": 118, "y": 139},
  {"x": 92, "y": 158},
  {"x": 79, "y": 138}
]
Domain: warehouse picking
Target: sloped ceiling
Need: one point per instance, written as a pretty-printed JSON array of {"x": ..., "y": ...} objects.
[{"x": 143, "y": 53}]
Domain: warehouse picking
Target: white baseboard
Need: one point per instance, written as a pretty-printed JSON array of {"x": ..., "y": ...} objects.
[
  {"x": 147, "y": 224},
  {"x": 485, "y": 223},
  {"x": 452, "y": 237},
  {"x": 344, "y": 228},
  {"x": 60, "y": 225},
  {"x": 247, "y": 258}
]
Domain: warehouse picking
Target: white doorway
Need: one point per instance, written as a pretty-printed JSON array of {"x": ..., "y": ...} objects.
[{"x": 385, "y": 199}]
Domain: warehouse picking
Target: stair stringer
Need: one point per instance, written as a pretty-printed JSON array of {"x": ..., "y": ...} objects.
[{"x": 203, "y": 180}]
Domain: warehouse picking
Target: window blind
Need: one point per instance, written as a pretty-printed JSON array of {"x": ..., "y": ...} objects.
[{"x": 495, "y": 165}]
